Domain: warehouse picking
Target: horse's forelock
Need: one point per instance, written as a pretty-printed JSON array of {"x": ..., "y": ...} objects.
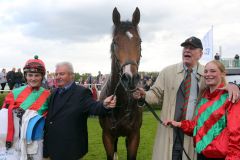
[{"x": 123, "y": 27}]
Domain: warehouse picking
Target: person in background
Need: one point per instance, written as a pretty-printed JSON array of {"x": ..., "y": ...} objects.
[
  {"x": 85, "y": 84},
  {"x": 11, "y": 78},
  {"x": 176, "y": 88},
  {"x": 50, "y": 81},
  {"x": 236, "y": 61},
  {"x": 19, "y": 79},
  {"x": 3, "y": 79},
  {"x": 94, "y": 92},
  {"x": 148, "y": 84},
  {"x": 217, "y": 56},
  {"x": 90, "y": 80},
  {"x": 215, "y": 128},
  {"x": 23, "y": 113},
  {"x": 66, "y": 135},
  {"x": 99, "y": 80},
  {"x": 236, "y": 57},
  {"x": 142, "y": 81}
]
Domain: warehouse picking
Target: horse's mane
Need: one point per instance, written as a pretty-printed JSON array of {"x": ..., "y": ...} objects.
[
  {"x": 123, "y": 27},
  {"x": 105, "y": 88}
]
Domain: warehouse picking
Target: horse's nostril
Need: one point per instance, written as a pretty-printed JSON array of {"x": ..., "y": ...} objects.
[
  {"x": 129, "y": 81},
  {"x": 126, "y": 78},
  {"x": 126, "y": 81},
  {"x": 136, "y": 78}
]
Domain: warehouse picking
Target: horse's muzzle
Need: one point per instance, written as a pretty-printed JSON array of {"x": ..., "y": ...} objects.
[{"x": 130, "y": 82}]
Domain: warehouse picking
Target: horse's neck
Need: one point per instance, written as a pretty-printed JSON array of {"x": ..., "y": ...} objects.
[{"x": 122, "y": 96}]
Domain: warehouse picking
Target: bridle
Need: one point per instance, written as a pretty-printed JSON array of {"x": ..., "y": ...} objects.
[
  {"x": 120, "y": 82},
  {"x": 120, "y": 72}
]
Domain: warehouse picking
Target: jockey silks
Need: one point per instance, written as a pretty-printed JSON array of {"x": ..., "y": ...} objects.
[
  {"x": 215, "y": 128},
  {"x": 25, "y": 98}
]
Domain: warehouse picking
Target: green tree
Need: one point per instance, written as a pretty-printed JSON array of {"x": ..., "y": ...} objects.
[
  {"x": 85, "y": 76},
  {"x": 77, "y": 77}
]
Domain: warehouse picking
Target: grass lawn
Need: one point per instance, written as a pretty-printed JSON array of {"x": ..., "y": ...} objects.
[
  {"x": 2, "y": 96},
  {"x": 96, "y": 148}
]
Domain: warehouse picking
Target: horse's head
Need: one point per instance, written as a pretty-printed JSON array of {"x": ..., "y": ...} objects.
[{"x": 126, "y": 49}]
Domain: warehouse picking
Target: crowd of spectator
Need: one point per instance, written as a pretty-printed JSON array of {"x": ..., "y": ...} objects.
[
  {"x": 12, "y": 78},
  {"x": 235, "y": 61},
  {"x": 146, "y": 81},
  {"x": 15, "y": 79}
]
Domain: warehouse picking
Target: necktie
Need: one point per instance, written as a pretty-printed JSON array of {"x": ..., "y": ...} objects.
[
  {"x": 61, "y": 90},
  {"x": 187, "y": 87}
]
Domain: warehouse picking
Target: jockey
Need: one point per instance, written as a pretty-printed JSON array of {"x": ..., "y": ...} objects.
[{"x": 23, "y": 114}]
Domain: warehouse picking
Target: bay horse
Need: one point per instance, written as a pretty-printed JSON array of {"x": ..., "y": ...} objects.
[{"x": 126, "y": 118}]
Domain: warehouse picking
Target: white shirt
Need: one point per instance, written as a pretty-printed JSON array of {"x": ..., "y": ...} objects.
[{"x": 3, "y": 77}]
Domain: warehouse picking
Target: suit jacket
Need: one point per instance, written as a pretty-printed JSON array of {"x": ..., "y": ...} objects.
[{"x": 66, "y": 136}]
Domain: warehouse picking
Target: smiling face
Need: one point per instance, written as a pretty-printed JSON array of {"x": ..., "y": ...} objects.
[
  {"x": 63, "y": 75},
  {"x": 34, "y": 79},
  {"x": 191, "y": 55},
  {"x": 214, "y": 74}
]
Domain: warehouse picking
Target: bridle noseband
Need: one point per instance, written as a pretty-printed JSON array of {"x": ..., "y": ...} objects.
[{"x": 120, "y": 72}]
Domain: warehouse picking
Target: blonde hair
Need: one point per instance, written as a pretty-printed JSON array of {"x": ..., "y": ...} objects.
[{"x": 222, "y": 69}]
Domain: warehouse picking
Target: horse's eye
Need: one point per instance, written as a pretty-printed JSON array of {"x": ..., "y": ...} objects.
[
  {"x": 114, "y": 45},
  {"x": 139, "y": 42}
]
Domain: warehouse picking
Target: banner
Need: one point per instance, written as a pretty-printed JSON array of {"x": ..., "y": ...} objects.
[{"x": 207, "y": 42}]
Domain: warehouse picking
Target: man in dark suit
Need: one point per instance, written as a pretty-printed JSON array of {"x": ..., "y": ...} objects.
[
  {"x": 66, "y": 136},
  {"x": 11, "y": 78}
]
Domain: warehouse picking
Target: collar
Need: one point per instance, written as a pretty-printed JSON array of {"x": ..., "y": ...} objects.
[
  {"x": 209, "y": 95},
  {"x": 199, "y": 69},
  {"x": 194, "y": 69},
  {"x": 67, "y": 86},
  {"x": 34, "y": 88}
]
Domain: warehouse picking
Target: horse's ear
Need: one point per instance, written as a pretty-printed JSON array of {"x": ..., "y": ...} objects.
[
  {"x": 116, "y": 17},
  {"x": 136, "y": 17}
]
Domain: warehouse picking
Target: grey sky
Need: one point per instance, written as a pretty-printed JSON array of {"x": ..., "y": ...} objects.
[{"x": 79, "y": 31}]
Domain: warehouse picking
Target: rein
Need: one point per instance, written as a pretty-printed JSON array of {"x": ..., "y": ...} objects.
[
  {"x": 142, "y": 101},
  {"x": 128, "y": 111}
]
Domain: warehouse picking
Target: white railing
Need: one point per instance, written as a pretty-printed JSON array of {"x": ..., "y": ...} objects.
[
  {"x": 90, "y": 85},
  {"x": 5, "y": 90}
]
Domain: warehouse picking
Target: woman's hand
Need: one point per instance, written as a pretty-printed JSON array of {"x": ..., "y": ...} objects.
[{"x": 172, "y": 123}]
